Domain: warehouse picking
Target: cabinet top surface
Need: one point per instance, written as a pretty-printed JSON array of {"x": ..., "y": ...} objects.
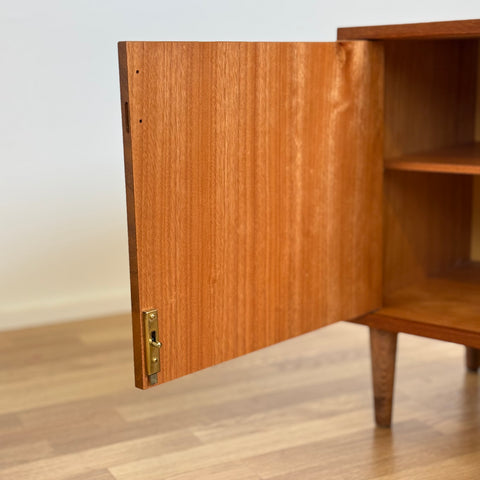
[{"x": 432, "y": 30}]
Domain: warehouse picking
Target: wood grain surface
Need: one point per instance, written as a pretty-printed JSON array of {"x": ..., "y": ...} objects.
[
  {"x": 430, "y": 95},
  {"x": 254, "y": 180},
  {"x": 430, "y": 91},
  {"x": 475, "y": 241},
  {"x": 446, "y": 331},
  {"x": 383, "y": 350},
  {"x": 431, "y": 30},
  {"x": 463, "y": 159},
  {"x": 427, "y": 226},
  {"x": 445, "y": 307},
  {"x": 300, "y": 410},
  {"x": 472, "y": 357},
  {"x": 447, "y": 300}
]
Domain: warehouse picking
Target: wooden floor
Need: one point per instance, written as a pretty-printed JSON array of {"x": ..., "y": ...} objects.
[{"x": 298, "y": 410}]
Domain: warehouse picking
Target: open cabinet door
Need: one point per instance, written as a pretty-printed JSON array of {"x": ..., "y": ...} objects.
[{"x": 254, "y": 191}]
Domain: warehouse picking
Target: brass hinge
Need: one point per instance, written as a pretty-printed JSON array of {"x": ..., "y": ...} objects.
[{"x": 152, "y": 345}]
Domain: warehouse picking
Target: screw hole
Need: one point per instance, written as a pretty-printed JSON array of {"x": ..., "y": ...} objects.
[
  {"x": 138, "y": 71},
  {"x": 140, "y": 121}
]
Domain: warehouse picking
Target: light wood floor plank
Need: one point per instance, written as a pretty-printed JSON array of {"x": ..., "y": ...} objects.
[{"x": 299, "y": 410}]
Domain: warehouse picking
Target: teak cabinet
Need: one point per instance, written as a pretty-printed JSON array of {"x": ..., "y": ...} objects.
[{"x": 275, "y": 188}]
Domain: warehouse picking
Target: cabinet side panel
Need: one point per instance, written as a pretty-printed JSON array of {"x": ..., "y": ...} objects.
[
  {"x": 257, "y": 172},
  {"x": 475, "y": 242},
  {"x": 429, "y": 104}
]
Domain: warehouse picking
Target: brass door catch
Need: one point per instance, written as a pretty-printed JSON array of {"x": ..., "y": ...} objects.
[{"x": 152, "y": 345}]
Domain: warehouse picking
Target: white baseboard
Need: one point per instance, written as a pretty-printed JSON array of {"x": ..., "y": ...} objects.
[{"x": 63, "y": 310}]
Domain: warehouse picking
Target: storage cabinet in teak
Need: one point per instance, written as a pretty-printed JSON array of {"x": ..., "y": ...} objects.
[{"x": 274, "y": 188}]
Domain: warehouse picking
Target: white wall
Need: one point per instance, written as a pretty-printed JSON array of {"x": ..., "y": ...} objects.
[{"x": 63, "y": 243}]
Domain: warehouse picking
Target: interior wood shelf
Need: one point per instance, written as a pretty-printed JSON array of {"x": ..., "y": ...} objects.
[
  {"x": 445, "y": 307},
  {"x": 459, "y": 159}
]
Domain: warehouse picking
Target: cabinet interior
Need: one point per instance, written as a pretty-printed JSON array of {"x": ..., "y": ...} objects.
[{"x": 432, "y": 195}]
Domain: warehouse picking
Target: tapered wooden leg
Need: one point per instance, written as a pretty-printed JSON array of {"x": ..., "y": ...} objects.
[
  {"x": 473, "y": 359},
  {"x": 383, "y": 348}
]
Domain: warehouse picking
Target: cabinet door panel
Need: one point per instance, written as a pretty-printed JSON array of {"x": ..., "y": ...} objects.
[{"x": 254, "y": 184}]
